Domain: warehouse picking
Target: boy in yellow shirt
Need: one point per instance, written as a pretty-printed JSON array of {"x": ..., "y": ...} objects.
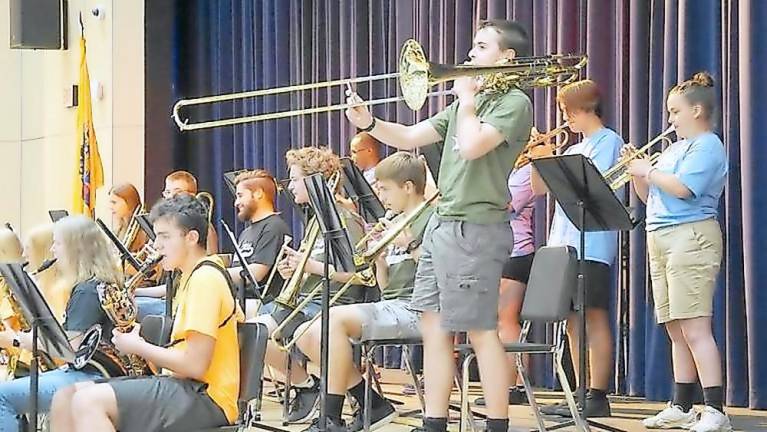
[{"x": 201, "y": 384}]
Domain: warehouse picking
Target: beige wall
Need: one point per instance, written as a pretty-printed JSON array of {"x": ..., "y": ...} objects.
[{"x": 37, "y": 142}]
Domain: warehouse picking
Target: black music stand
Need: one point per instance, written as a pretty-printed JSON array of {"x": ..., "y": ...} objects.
[
  {"x": 57, "y": 214},
  {"x": 125, "y": 255},
  {"x": 590, "y": 204},
  {"x": 302, "y": 209},
  {"x": 359, "y": 190},
  {"x": 245, "y": 274},
  {"x": 46, "y": 330},
  {"x": 146, "y": 225},
  {"x": 338, "y": 248},
  {"x": 229, "y": 177}
]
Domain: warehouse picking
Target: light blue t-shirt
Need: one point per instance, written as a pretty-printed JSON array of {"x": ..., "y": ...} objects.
[
  {"x": 701, "y": 164},
  {"x": 603, "y": 148}
]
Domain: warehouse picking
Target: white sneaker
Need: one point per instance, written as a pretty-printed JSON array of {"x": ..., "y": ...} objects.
[
  {"x": 671, "y": 418},
  {"x": 712, "y": 420}
]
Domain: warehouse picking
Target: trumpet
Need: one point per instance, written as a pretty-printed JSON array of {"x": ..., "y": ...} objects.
[
  {"x": 416, "y": 75},
  {"x": 365, "y": 276},
  {"x": 618, "y": 175},
  {"x": 375, "y": 229},
  {"x": 559, "y": 133}
]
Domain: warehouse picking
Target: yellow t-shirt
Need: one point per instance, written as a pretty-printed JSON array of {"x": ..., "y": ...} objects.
[{"x": 204, "y": 301}]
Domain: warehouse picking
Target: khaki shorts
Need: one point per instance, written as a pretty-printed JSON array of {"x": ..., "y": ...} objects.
[{"x": 684, "y": 264}]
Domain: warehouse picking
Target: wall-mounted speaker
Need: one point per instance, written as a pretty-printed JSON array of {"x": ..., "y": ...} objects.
[{"x": 38, "y": 24}]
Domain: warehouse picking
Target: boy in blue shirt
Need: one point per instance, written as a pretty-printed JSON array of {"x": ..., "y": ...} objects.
[{"x": 580, "y": 105}]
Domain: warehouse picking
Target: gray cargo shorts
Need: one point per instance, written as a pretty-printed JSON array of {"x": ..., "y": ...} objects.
[
  {"x": 388, "y": 319},
  {"x": 459, "y": 272}
]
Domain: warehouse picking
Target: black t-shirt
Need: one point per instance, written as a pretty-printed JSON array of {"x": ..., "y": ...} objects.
[
  {"x": 84, "y": 309},
  {"x": 260, "y": 243}
]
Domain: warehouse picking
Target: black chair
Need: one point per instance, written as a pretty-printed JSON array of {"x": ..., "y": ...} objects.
[
  {"x": 252, "y": 338},
  {"x": 548, "y": 297}
]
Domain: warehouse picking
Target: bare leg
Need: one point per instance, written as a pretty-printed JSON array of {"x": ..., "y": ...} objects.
[
  {"x": 438, "y": 354},
  {"x": 697, "y": 334},
  {"x": 94, "y": 408},
  {"x": 600, "y": 348},
  {"x": 510, "y": 304},
  {"x": 681, "y": 356},
  {"x": 491, "y": 358}
]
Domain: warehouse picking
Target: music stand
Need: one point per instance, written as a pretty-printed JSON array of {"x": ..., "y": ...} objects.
[
  {"x": 338, "y": 248},
  {"x": 146, "y": 225},
  {"x": 245, "y": 274},
  {"x": 57, "y": 214},
  {"x": 125, "y": 255},
  {"x": 45, "y": 328},
  {"x": 229, "y": 177},
  {"x": 358, "y": 190},
  {"x": 302, "y": 209},
  {"x": 591, "y": 205}
]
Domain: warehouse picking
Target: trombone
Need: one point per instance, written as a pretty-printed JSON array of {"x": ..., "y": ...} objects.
[
  {"x": 365, "y": 276},
  {"x": 618, "y": 175},
  {"x": 416, "y": 75}
]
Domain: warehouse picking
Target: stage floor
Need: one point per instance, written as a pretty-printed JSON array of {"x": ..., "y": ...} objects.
[{"x": 627, "y": 412}]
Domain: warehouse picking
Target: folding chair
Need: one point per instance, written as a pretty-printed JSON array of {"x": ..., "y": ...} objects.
[
  {"x": 548, "y": 297},
  {"x": 368, "y": 350},
  {"x": 252, "y": 338}
]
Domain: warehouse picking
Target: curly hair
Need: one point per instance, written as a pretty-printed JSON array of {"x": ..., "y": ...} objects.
[
  {"x": 187, "y": 212},
  {"x": 314, "y": 160}
]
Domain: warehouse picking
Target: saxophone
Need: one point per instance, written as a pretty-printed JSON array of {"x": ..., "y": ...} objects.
[
  {"x": 10, "y": 357},
  {"x": 119, "y": 303}
]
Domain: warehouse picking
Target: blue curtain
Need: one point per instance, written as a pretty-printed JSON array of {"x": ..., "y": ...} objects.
[{"x": 637, "y": 51}]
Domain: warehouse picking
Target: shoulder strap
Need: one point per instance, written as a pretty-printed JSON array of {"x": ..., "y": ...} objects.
[{"x": 229, "y": 282}]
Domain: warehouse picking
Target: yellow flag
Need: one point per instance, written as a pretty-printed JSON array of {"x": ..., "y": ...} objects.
[{"x": 90, "y": 174}]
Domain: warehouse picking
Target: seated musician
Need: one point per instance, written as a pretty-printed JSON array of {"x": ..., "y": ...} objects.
[
  {"x": 203, "y": 358},
  {"x": 260, "y": 242},
  {"x": 84, "y": 258},
  {"x": 37, "y": 250},
  {"x": 184, "y": 182},
  {"x": 301, "y": 164},
  {"x": 401, "y": 179},
  {"x": 150, "y": 300},
  {"x": 124, "y": 201}
]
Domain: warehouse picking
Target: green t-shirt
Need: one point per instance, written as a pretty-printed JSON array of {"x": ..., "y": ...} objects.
[
  {"x": 402, "y": 265},
  {"x": 475, "y": 190},
  {"x": 356, "y": 229}
]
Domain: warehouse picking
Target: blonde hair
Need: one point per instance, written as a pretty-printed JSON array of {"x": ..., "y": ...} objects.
[
  {"x": 55, "y": 289},
  {"x": 313, "y": 160},
  {"x": 10, "y": 246},
  {"x": 87, "y": 251}
]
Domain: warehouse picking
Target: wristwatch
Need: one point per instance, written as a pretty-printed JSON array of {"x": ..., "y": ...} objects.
[
  {"x": 413, "y": 246},
  {"x": 16, "y": 342}
]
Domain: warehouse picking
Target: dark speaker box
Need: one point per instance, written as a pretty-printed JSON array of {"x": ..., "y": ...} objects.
[{"x": 38, "y": 24}]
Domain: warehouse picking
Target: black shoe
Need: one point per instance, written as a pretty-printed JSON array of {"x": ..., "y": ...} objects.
[
  {"x": 330, "y": 426},
  {"x": 304, "y": 404},
  {"x": 595, "y": 407},
  {"x": 379, "y": 417},
  {"x": 559, "y": 409},
  {"x": 516, "y": 397}
]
